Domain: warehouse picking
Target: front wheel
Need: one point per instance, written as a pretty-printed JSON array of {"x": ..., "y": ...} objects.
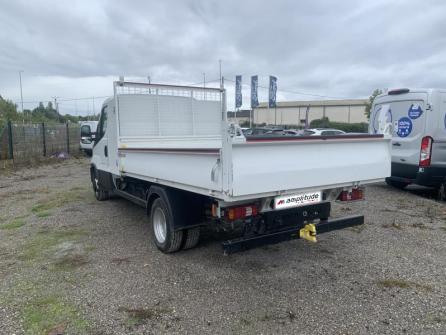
[
  {"x": 165, "y": 237},
  {"x": 99, "y": 193}
]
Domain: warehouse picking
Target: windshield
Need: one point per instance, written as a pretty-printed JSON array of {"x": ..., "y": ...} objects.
[{"x": 85, "y": 130}]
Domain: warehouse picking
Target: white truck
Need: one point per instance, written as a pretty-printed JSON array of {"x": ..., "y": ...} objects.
[{"x": 171, "y": 150}]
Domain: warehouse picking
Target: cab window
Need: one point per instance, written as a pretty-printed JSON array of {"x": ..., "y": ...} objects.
[{"x": 102, "y": 128}]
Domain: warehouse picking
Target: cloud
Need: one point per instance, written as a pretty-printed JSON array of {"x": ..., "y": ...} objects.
[{"x": 340, "y": 49}]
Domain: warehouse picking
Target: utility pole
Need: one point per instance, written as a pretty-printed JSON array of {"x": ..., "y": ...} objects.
[
  {"x": 21, "y": 91},
  {"x": 204, "y": 80},
  {"x": 221, "y": 82}
]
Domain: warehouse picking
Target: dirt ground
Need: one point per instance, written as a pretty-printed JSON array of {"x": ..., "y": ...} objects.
[{"x": 72, "y": 265}]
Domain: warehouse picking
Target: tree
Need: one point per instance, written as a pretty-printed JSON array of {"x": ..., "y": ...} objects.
[
  {"x": 320, "y": 123},
  {"x": 8, "y": 112},
  {"x": 368, "y": 107}
]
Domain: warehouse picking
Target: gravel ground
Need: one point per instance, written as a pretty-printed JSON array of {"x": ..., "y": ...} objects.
[{"x": 72, "y": 265}]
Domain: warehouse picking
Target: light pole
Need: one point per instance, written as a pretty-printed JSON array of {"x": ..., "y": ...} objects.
[
  {"x": 221, "y": 81},
  {"x": 21, "y": 92}
]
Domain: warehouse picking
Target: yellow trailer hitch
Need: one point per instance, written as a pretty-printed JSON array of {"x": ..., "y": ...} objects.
[{"x": 308, "y": 232}]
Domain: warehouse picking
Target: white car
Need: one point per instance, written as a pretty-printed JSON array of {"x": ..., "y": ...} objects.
[
  {"x": 88, "y": 134},
  {"x": 323, "y": 132}
]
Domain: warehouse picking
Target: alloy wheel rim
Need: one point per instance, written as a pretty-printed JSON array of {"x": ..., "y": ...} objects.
[{"x": 159, "y": 225}]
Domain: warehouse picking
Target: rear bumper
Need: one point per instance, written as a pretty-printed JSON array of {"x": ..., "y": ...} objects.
[
  {"x": 326, "y": 226},
  {"x": 431, "y": 176}
]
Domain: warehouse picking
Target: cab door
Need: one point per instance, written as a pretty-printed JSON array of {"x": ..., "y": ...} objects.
[{"x": 100, "y": 150}]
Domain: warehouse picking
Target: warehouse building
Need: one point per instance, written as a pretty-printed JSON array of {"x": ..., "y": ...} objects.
[{"x": 293, "y": 112}]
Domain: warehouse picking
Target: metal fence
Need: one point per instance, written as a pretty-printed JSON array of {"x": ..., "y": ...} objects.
[{"x": 22, "y": 142}]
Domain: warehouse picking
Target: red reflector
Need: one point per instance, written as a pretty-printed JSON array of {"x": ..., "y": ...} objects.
[
  {"x": 235, "y": 213},
  {"x": 426, "y": 151},
  {"x": 353, "y": 194}
]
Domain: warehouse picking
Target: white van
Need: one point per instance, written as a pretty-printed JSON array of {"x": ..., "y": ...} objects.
[
  {"x": 88, "y": 134},
  {"x": 418, "y": 117}
]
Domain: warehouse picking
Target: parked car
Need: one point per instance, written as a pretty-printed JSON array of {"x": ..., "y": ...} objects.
[
  {"x": 419, "y": 135},
  {"x": 322, "y": 132},
  {"x": 260, "y": 131},
  {"x": 293, "y": 132},
  {"x": 88, "y": 134}
]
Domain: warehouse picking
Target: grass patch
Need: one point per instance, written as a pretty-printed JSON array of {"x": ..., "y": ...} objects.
[
  {"x": 399, "y": 283},
  {"x": 394, "y": 225},
  {"x": 357, "y": 229},
  {"x": 14, "y": 224},
  {"x": 71, "y": 262},
  {"x": 43, "y": 214},
  {"x": 41, "y": 316},
  {"x": 137, "y": 316},
  {"x": 419, "y": 225},
  {"x": 37, "y": 247},
  {"x": 59, "y": 200},
  {"x": 433, "y": 319}
]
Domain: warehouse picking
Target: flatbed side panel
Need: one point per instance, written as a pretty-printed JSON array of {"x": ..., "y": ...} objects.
[
  {"x": 194, "y": 167},
  {"x": 277, "y": 166}
]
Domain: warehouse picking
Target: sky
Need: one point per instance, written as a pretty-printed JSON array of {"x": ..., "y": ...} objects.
[{"x": 324, "y": 49}]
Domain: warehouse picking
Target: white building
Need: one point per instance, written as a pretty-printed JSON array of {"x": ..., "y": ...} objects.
[{"x": 293, "y": 112}]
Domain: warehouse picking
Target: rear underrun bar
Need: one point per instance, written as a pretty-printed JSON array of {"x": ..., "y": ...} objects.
[{"x": 245, "y": 243}]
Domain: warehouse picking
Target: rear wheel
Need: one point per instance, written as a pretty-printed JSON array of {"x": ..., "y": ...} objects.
[
  {"x": 398, "y": 184},
  {"x": 192, "y": 238},
  {"x": 99, "y": 194},
  {"x": 161, "y": 220},
  {"x": 442, "y": 191}
]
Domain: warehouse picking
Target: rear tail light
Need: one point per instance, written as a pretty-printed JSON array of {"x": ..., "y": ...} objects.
[
  {"x": 236, "y": 213},
  {"x": 351, "y": 195},
  {"x": 426, "y": 151}
]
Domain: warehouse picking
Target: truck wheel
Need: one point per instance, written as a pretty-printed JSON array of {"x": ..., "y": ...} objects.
[
  {"x": 166, "y": 239},
  {"x": 442, "y": 191},
  {"x": 397, "y": 184},
  {"x": 192, "y": 238},
  {"x": 99, "y": 194}
]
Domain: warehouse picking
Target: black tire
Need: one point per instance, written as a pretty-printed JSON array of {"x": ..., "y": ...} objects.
[
  {"x": 192, "y": 238},
  {"x": 442, "y": 192},
  {"x": 166, "y": 239},
  {"x": 397, "y": 184},
  {"x": 99, "y": 194}
]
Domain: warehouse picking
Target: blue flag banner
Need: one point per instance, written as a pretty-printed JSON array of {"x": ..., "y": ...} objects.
[
  {"x": 272, "y": 91},
  {"x": 254, "y": 94},
  {"x": 238, "y": 91}
]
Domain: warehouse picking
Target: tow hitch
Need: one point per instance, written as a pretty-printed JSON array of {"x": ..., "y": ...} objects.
[{"x": 307, "y": 232}]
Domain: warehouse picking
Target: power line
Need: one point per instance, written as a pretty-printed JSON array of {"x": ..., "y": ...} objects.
[{"x": 66, "y": 99}]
